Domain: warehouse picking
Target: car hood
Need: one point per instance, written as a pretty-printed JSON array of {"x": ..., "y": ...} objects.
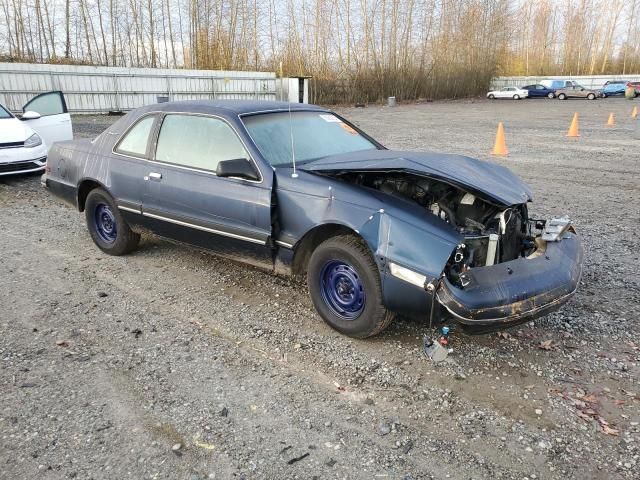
[
  {"x": 13, "y": 130},
  {"x": 487, "y": 180}
]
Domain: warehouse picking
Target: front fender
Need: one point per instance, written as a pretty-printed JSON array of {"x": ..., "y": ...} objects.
[{"x": 420, "y": 248}]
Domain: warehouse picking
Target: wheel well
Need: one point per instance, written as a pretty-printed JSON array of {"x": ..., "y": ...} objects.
[
  {"x": 83, "y": 191},
  {"x": 310, "y": 242}
]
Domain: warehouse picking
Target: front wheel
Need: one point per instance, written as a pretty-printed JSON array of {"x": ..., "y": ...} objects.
[
  {"x": 516, "y": 97},
  {"x": 109, "y": 231},
  {"x": 551, "y": 95},
  {"x": 344, "y": 285},
  {"x": 492, "y": 97},
  {"x": 591, "y": 96}
]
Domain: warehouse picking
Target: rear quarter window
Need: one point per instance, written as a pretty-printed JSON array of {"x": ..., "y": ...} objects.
[{"x": 136, "y": 140}]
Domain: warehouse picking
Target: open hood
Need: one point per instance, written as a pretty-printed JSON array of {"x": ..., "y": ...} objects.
[{"x": 490, "y": 181}]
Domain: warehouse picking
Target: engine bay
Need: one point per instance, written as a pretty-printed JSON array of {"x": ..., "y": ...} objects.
[{"x": 492, "y": 233}]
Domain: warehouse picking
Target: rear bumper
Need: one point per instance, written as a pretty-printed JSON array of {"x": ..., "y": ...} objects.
[
  {"x": 517, "y": 291},
  {"x": 68, "y": 193}
]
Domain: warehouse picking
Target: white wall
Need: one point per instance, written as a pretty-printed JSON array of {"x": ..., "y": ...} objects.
[{"x": 103, "y": 89}]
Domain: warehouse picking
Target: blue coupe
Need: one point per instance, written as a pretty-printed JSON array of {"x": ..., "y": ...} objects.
[{"x": 298, "y": 190}]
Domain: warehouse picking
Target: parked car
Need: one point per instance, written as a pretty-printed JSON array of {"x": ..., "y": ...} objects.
[
  {"x": 611, "y": 89},
  {"x": 539, "y": 91},
  {"x": 576, "y": 91},
  {"x": 296, "y": 189},
  {"x": 508, "y": 92},
  {"x": 636, "y": 86},
  {"x": 24, "y": 141}
]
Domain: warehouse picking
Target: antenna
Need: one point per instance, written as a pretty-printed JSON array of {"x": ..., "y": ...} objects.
[{"x": 293, "y": 152}]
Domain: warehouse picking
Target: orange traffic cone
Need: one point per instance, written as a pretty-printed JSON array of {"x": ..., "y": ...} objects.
[
  {"x": 500, "y": 147},
  {"x": 573, "y": 129},
  {"x": 611, "y": 122},
  {"x": 634, "y": 112}
]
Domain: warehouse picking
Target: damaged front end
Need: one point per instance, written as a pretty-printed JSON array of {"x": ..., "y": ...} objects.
[
  {"x": 506, "y": 268},
  {"x": 536, "y": 282}
]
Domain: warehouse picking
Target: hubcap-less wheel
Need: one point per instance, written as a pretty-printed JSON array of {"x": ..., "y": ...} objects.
[
  {"x": 105, "y": 223},
  {"x": 342, "y": 289},
  {"x": 492, "y": 97}
]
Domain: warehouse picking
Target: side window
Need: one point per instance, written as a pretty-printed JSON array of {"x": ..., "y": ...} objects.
[
  {"x": 197, "y": 142},
  {"x": 51, "y": 103},
  {"x": 136, "y": 140}
]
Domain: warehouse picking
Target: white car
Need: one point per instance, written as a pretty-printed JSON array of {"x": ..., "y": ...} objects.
[
  {"x": 24, "y": 141},
  {"x": 508, "y": 92}
]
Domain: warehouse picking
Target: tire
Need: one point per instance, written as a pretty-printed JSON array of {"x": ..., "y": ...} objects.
[
  {"x": 492, "y": 97},
  {"x": 604, "y": 95},
  {"x": 591, "y": 96},
  {"x": 562, "y": 96},
  {"x": 516, "y": 97},
  {"x": 551, "y": 95},
  {"x": 344, "y": 285},
  {"x": 108, "y": 230}
]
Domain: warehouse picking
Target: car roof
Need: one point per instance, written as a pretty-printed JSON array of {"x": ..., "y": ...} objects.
[{"x": 237, "y": 107}]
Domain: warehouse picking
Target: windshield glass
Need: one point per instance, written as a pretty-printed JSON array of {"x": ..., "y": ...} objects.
[
  {"x": 4, "y": 113},
  {"x": 315, "y": 135}
]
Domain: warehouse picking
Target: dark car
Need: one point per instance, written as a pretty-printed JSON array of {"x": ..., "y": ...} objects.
[
  {"x": 539, "y": 91},
  {"x": 297, "y": 189}
]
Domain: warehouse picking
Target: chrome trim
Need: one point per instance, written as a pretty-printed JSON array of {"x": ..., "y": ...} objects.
[
  {"x": 204, "y": 229},
  {"x": 284, "y": 244},
  {"x": 166, "y": 164},
  {"x": 129, "y": 209}
]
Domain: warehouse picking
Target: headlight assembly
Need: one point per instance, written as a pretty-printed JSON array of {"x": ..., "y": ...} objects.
[{"x": 33, "y": 141}]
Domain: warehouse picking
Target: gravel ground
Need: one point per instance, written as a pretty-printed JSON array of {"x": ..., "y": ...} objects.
[{"x": 171, "y": 363}]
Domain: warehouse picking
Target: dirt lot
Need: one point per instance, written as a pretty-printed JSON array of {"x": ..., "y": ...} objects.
[{"x": 170, "y": 363}]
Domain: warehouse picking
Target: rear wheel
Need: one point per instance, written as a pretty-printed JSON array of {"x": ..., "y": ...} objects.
[
  {"x": 591, "y": 96},
  {"x": 551, "y": 95},
  {"x": 344, "y": 285},
  {"x": 492, "y": 97},
  {"x": 562, "y": 96},
  {"x": 516, "y": 97},
  {"x": 109, "y": 231}
]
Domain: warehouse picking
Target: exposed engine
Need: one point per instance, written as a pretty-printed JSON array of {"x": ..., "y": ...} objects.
[{"x": 492, "y": 233}]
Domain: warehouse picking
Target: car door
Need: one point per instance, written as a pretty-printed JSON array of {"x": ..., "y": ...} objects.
[
  {"x": 189, "y": 202},
  {"x": 52, "y": 122},
  {"x": 130, "y": 160}
]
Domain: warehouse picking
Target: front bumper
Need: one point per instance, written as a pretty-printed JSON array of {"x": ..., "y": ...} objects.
[
  {"x": 22, "y": 160},
  {"x": 25, "y": 166},
  {"x": 514, "y": 292}
]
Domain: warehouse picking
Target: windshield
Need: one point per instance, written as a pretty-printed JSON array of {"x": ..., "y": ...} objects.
[
  {"x": 315, "y": 135},
  {"x": 4, "y": 113}
]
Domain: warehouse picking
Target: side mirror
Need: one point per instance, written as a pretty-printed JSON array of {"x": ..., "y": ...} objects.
[
  {"x": 238, "y": 167},
  {"x": 30, "y": 115}
]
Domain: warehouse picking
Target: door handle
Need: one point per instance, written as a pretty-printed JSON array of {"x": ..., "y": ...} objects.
[{"x": 153, "y": 176}]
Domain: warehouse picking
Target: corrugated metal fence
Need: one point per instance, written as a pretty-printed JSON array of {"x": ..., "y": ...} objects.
[
  {"x": 106, "y": 89},
  {"x": 587, "y": 81}
]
